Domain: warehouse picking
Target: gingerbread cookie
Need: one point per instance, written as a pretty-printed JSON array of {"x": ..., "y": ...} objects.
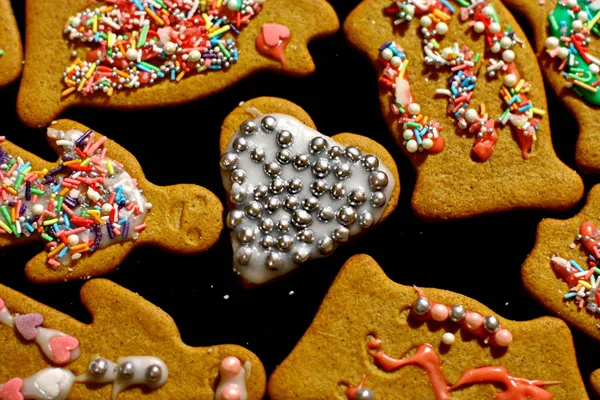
[
  {"x": 460, "y": 97},
  {"x": 295, "y": 194},
  {"x": 566, "y": 33},
  {"x": 595, "y": 381},
  {"x": 561, "y": 271},
  {"x": 94, "y": 206},
  {"x": 145, "y": 53},
  {"x": 48, "y": 355},
  {"x": 11, "y": 51},
  {"x": 369, "y": 329}
]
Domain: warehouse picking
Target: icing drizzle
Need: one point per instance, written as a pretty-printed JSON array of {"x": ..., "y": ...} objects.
[{"x": 232, "y": 379}]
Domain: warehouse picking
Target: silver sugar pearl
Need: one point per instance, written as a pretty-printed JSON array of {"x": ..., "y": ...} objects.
[
  {"x": 283, "y": 225},
  {"x": 274, "y": 260},
  {"x": 370, "y": 163},
  {"x": 366, "y": 220},
  {"x": 284, "y": 156},
  {"x": 320, "y": 167},
  {"x": 306, "y": 236},
  {"x": 343, "y": 171},
  {"x": 260, "y": 192},
  {"x": 310, "y": 204},
  {"x": 291, "y": 203},
  {"x": 153, "y": 373},
  {"x": 341, "y": 234},
  {"x": 364, "y": 394},
  {"x": 378, "y": 199},
  {"x": 294, "y": 185},
  {"x": 277, "y": 185},
  {"x": 284, "y": 139},
  {"x": 301, "y": 256},
  {"x": 234, "y": 218},
  {"x": 334, "y": 152},
  {"x": 301, "y": 162},
  {"x": 272, "y": 169},
  {"x": 346, "y": 215},
  {"x": 357, "y": 197},
  {"x": 317, "y": 145},
  {"x": 285, "y": 243},
  {"x": 244, "y": 255},
  {"x": 491, "y": 323},
  {"x": 98, "y": 367},
  {"x": 267, "y": 242},
  {"x": 318, "y": 187},
  {"x": 268, "y": 123},
  {"x": 240, "y": 144},
  {"x": 238, "y": 193},
  {"x": 326, "y": 214},
  {"x": 458, "y": 313},
  {"x": 266, "y": 225},
  {"x": 238, "y": 175},
  {"x": 273, "y": 204},
  {"x": 352, "y": 153},
  {"x": 378, "y": 180},
  {"x": 325, "y": 245},
  {"x": 126, "y": 370},
  {"x": 248, "y": 127},
  {"x": 258, "y": 154},
  {"x": 229, "y": 161},
  {"x": 301, "y": 218},
  {"x": 337, "y": 191},
  {"x": 254, "y": 209},
  {"x": 246, "y": 235},
  {"x": 421, "y": 306}
]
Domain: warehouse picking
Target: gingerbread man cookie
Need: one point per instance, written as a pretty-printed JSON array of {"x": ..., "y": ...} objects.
[
  {"x": 144, "y": 53},
  {"x": 460, "y": 97},
  {"x": 566, "y": 42},
  {"x": 48, "y": 355},
  {"x": 294, "y": 193},
  {"x": 373, "y": 338},
  {"x": 11, "y": 51},
  {"x": 94, "y": 206}
]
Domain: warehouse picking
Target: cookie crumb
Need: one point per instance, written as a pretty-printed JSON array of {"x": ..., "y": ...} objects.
[
  {"x": 291, "y": 292},
  {"x": 226, "y": 297}
]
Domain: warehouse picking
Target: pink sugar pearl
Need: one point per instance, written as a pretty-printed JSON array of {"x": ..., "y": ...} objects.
[
  {"x": 473, "y": 321},
  {"x": 439, "y": 312},
  {"x": 231, "y": 392},
  {"x": 503, "y": 337},
  {"x": 230, "y": 366}
]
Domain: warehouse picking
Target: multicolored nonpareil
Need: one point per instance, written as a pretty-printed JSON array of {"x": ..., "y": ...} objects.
[
  {"x": 423, "y": 135},
  {"x": 140, "y": 42}
]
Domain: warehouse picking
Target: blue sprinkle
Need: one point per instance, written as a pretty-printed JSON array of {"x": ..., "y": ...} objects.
[
  {"x": 573, "y": 263},
  {"x": 448, "y": 5},
  {"x": 63, "y": 252},
  {"x": 570, "y": 295}
]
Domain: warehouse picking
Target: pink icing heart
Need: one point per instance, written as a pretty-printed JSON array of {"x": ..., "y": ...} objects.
[
  {"x": 61, "y": 348},
  {"x": 1, "y": 304},
  {"x": 274, "y": 32},
  {"x": 27, "y": 325},
  {"x": 11, "y": 390}
]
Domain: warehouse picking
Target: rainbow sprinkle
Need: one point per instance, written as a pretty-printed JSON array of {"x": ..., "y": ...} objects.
[{"x": 141, "y": 42}]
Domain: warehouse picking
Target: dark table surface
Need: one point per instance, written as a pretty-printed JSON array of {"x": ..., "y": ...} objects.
[{"x": 269, "y": 321}]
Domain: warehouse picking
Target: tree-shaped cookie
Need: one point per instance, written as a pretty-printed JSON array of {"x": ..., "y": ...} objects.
[
  {"x": 373, "y": 338},
  {"x": 11, "y": 51},
  {"x": 462, "y": 98},
  {"x": 294, "y": 193},
  {"x": 94, "y": 206},
  {"x": 143, "y": 53},
  {"x": 131, "y": 347},
  {"x": 566, "y": 43}
]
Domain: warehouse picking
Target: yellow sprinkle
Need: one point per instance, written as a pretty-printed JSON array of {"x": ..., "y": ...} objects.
[
  {"x": 78, "y": 247},
  {"x": 72, "y": 162},
  {"x": 202, "y": 68},
  {"x": 95, "y": 24},
  {"x": 403, "y": 68},
  {"x": 207, "y": 20},
  {"x": 122, "y": 74},
  {"x": 154, "y": 16},
  {"x": 202, "y": 5},
  {"x": 96, "y": 218},
  {"x": 219, "y": 3},
  {"x": 111, "y": 40},
  {"x": 70, "y": 82},
  {"x": 180, "y": 76},
  {"x": 538, "y": 111},
  {"x": 109, "y": 167},
  {"x": 593, "y": 21},
  {"x": 50, "y": 221},
  {"x": 5, "y": 227},
  {"x": 81, "y": 84},
  {"x": 585, "y": 284},
  {"x": 110, "y": 91},
  {"x": 219, "y": 31},
  {"x": 519, "y": 85},
  {"x": 85, "y": 162},
  {"x": 90, "y": 71},
  {"x": 121, "y": 47},
  {"x": 482, "y": 109},
  {"x": 27, "y": 170}
]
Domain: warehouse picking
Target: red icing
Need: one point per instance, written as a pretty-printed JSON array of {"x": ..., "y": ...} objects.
[
  {"x": 351, "y": 391},
  {"x": 566, "y": 272},
  {"x": 272, "y": 41},
  {"x": 1, "y": 304},
  {"x": 11, "y": 390},
  {"x": 588, "y": 230}
]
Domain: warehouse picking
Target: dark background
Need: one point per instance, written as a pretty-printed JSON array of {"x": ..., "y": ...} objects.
[{"x": 479, "y": 258}]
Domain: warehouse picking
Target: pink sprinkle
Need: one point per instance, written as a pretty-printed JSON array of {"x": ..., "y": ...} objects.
[
  {"x": 140, "y": 227},
  {"x": 53, "y": 263},
  {"x": 2, "y": 138}
]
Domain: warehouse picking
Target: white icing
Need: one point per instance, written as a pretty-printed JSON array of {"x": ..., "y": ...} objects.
[
  {"x": 236, "y": 383},
  {"x": 256, "y": 272},
  {"x": 109, "y": 376},
  {"x": 6, "y": 318},
  {"x": 48, "y": 384},
  {"x": 140, "y": 363},
  {"x": 43, "y": 338}
]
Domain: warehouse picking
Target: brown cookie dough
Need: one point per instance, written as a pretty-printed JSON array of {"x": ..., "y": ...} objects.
[
  {"x": 362, "y": 303},
  {"x": 11, "y": 61},
  {"x": 452, "y": 185}
]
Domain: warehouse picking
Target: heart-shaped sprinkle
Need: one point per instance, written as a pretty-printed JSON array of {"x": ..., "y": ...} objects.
[
  {"x": 11, "y": 390},
  {"x": 2, "y": 305},
  {"x": 273, "y": 33},
  {"x": 62, "y": 347},
  {"x": 296, "y": 195},
  {"x": 27, "y": 324}
]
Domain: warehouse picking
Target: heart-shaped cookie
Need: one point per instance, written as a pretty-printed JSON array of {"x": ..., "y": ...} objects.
[
  {"x": 11, "y": 390},
  {"x": 27, "y": 324},
  {"x": 62, "y": 348},
  {"x": 295, "y": 194}
]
